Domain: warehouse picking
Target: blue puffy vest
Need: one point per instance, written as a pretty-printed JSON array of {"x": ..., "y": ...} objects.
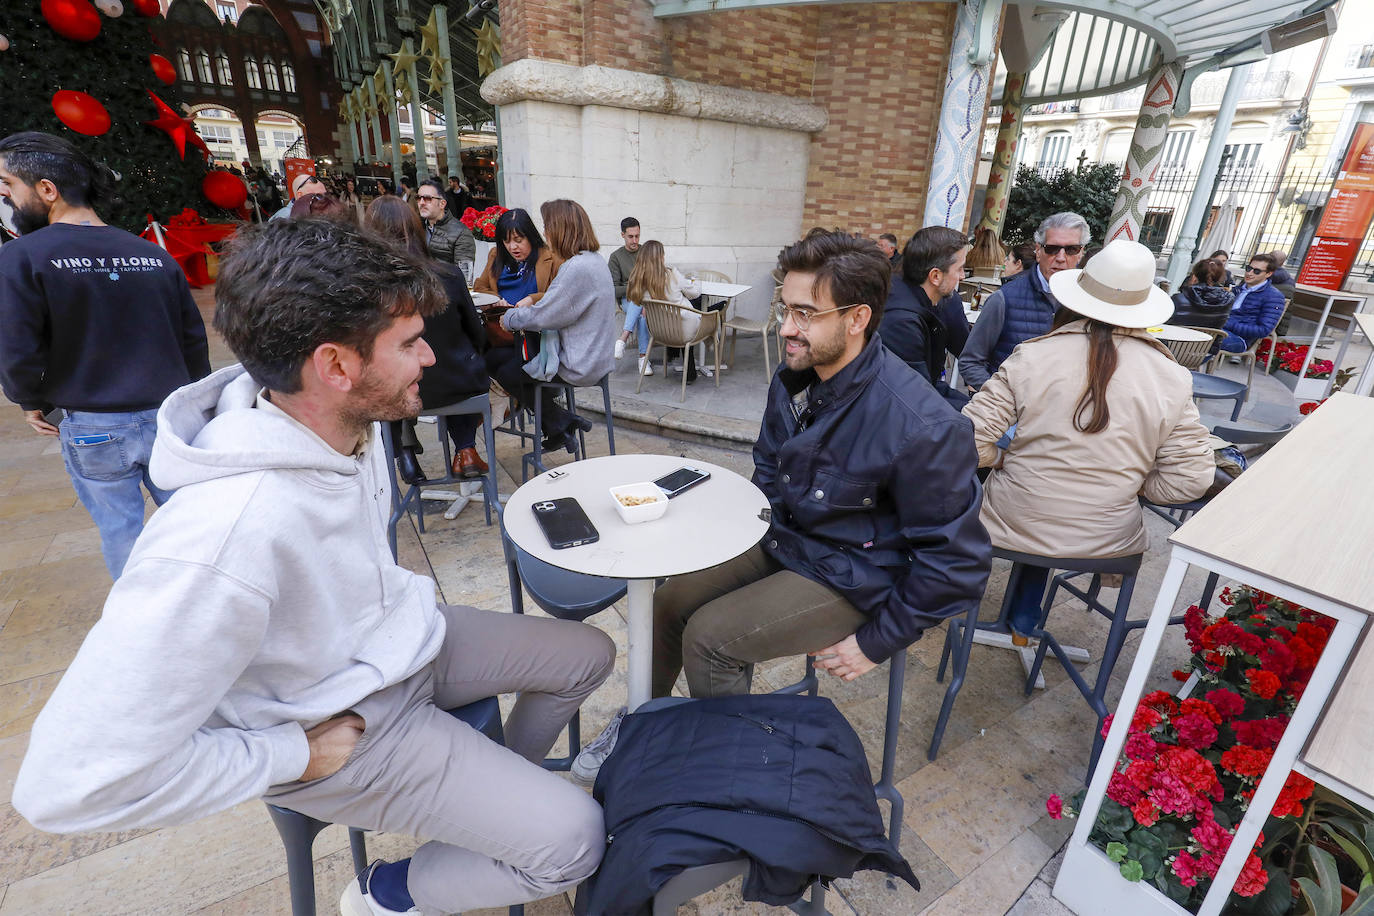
[{"x": 1029, "y": 313}]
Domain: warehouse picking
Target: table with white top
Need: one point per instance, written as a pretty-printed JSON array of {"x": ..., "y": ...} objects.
[
  {"x": 723, "y": 290},
  {"x": 1332, "y": 304},
  {"x": 1179, "y": 333},
  {"x": 709, "y": 524},
  {"x": 482, "y": 300}
]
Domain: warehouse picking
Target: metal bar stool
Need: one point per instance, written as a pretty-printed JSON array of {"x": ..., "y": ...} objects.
[
  {"x": 534, "y": 459},
  {"x": 298, "y": 831}
]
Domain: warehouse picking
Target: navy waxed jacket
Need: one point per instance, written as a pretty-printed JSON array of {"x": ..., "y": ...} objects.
[
  {"x": 874, "y": 492},
  {"x": 918, "y": 333}
]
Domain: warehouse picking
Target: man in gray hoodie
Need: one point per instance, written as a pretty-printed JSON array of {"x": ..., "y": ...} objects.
[{"x": 262, "y": 642}]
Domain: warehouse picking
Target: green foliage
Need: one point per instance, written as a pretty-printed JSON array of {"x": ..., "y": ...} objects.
[
  {"x": 114, "y": 69},
  {"x": 1132, "y": 870},
  {"x": 1089, "y": 192},
  {"x": 1321, "y": 894}
]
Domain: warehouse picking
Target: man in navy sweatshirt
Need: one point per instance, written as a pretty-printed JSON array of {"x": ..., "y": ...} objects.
[
  {"x": 99, "y": 328},
  {"x": 1257, "y": 309}
]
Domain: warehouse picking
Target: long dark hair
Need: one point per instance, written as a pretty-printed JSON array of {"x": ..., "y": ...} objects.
[
  {"x": 392, "y": 218},
  {"x": 1102, "y": 362},
  {"x": 516, "y": 221}
]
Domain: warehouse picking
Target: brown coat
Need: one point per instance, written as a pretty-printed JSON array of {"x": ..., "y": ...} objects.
[
  {"x": 1064, "y": 493},
  {"x": 545, "y": 269}
]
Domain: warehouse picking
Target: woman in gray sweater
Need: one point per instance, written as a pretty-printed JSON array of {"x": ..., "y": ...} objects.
[{"x": 580, "y": 306}]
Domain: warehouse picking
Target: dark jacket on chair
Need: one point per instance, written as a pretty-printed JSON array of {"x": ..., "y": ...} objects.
[
  {"x": 916, "y": 332},
  {"x": 872, "y": 481},
  {"x": 1257, "y": 314},
  {"x": 780, "y": 780},
  {"x": 1198, "y": 306},
  {"x": 458, "y": 339}
]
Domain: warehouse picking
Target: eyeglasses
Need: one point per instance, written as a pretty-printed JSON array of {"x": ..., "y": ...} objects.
[
  {"x": 802, "y": 317},
  {"x": 428, "y": 197},
  {"x": 1070, "y": 250},
  {"x": 1252, "y": 269}
]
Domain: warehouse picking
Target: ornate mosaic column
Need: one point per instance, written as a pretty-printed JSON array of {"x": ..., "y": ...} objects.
[
  {"x": 1004, "y": 155},
  {"x": 1147, "y": 150},
  {"x": 961, "y": 118}
]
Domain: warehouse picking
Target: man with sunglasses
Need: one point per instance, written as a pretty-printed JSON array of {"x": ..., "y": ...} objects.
[
  {"x": 1024, "y": 307},
  {"x": 871, "y": 479},
  {"x": 449, "y": 240},
  {"x": 1258, "y": 306}
]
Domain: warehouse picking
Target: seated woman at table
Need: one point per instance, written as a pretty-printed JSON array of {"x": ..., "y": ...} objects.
[
  {"x": 1103, "y": 415},
  {"x": 579, "y": 305},
  {"x": 651, "y": 278},
  {"x": 455, "y": 335},
  {"x": 520, "y": 267},
  {"x": 1204, "y": 301},
  {"x": 1019, "y": 257}
]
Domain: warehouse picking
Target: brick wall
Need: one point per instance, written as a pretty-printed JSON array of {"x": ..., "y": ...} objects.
[{"x": 877, "y": 68}]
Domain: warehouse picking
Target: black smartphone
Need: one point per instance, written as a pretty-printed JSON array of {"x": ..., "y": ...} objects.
[
  {"x": 564, "y": 523},
  {"x": 681, "y": 480}
]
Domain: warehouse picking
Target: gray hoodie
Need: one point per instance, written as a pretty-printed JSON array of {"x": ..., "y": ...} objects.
[
  {"x": 580, "y": 305},
  {"x": 260, "y": 600}
]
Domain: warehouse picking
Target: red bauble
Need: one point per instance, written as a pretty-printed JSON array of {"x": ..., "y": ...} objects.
[
  {"x": 147, "y": 7},
  {"x": 224, "y": 189},
  {"x": 80, "y": 112},
  {"x": 74, "y": 19},
  {"x": 163, "y": 69}
]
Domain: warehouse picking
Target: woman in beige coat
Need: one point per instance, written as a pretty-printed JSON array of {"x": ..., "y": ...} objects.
[{"x": 1102, "y": 414}]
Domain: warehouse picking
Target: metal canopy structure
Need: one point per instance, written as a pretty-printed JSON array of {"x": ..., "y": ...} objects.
[
  {"x": 1082, "y": 48},
  {"x": 365, "y": 31}
]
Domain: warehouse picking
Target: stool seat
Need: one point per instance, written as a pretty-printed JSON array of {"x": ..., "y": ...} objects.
[{"x": 1216, "y": 387}]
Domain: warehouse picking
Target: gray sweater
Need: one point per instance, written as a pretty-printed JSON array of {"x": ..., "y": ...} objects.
[
  {"x": 622, "y": 262},
  {"x": 580, "y": 305}
]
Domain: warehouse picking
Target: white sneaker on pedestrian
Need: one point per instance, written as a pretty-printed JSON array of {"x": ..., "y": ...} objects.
[
  {"x": 645, "y": 367},
  {"x": 619, "y": 348},
  {"x": 358, "y": 901},
  {"x": 588, "y": 762},
  {"x": 706, "y": 371}
]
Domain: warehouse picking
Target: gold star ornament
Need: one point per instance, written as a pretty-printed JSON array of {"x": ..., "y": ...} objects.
[{"x": 488, "y": 48}]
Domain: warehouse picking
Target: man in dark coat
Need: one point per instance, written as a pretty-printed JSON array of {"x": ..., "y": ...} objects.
[
  {"x": 874, "y": 498},
  {"x": 924, "y": 297}
]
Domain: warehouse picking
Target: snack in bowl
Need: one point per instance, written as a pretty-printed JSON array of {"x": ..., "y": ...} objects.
[{"x": 639, "y": 502}]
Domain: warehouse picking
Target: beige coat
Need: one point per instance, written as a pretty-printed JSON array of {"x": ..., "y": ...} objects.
[{"x": 1063, "y": 493}]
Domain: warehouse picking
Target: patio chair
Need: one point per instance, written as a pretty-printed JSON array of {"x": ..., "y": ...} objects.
[
  {"x": 665, "y": 329},
  {"x": 298, "y": 831},
  {"x": 1214, "y": 387},
  {"x": 1191, "y": 354},
  {"x": 764, "y": 327},
  {"x": 1249, "y": 355},
  {"x": 716, "y": 276}
]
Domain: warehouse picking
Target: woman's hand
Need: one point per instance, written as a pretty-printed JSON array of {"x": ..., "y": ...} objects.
[{"x": 528, "y": 300}]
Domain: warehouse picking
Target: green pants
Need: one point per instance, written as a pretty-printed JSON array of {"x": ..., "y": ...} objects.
[{"x": 719, "y": 622}]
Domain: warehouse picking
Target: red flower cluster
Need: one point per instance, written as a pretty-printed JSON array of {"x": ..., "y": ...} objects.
[
  {"x": 482, "y": 222},
  {"x": 1289, "y": 357}
]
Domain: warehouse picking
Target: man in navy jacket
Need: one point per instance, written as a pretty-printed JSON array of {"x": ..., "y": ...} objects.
[
  {"x": 871, "y": 478},
  {"x": 924, "y": 316},
  {"x": 1257, "y": 309}
]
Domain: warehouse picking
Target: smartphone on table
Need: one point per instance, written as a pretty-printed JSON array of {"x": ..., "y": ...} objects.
[
  {"x": 565, "y": 523},
  {"x": 681, "y": 480}
]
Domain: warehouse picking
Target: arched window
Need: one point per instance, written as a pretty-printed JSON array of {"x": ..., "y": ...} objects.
[
  {"x": 203, "y": 67},
  {"x": 1054, "y": 151},
  {"x": 269, "y": 75},
  {"x": 184, "y": 65},
  {"x": 288, "y": 77},
  {"x": 222, "y": 72},
  {"x": 250, "y": 66}
]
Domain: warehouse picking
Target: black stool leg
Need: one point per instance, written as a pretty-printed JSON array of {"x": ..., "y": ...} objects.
[
  {"x": 886, "y": 787},
  {"x": 298, "y": 834},
  {"x": 1116, "y": 637},
  {"x": 610, "y": 420},
  {"x": 357, "y": 844},
  {"x": 956, "y": 680}
]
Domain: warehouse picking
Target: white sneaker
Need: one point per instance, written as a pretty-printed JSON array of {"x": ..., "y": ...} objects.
[
  {"x": 645, "y": 367},
  {"x": 706, "y": 372},
  {"x": 358, "y": 901},
  {"x": 619, "y": 349},
  {"x": 588, "y": 762}
]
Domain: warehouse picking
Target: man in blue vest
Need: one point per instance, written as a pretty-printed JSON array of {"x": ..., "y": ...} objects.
[
  {"x": 1258, "y": 306},
  {"x": 1024, "y": 307}
]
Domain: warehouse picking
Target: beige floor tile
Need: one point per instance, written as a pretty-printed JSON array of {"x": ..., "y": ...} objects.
[
  {"x": 33, "y": 615},
  {"x": 875, "y": 893},
  {"x": 30, "y": 852},
  {"x": 77, "y": 543},
  {"x": 20, "y": 501},
  {"x": 23, "y": 553},
  {"x": 42, "y": 580},
  {"x": 996, "y": 884},
  {"x": 21, "y": 701},
  {"x": 51, "y": 651}
]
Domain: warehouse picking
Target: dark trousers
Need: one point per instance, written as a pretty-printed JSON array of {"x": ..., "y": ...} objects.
[{"x": 507, "y": 366}]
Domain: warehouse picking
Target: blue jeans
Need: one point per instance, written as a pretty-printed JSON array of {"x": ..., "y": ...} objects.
[
  {"x": 634, "y": 321},
  {"x": 1233, "y": 343},
  {"x": 1026, "y": 599},
  {"x": 106, "y": 455}
]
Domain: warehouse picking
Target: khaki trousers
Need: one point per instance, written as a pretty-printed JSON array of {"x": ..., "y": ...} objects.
[
  {"x": 719, "y": 622},
  {"x": 500, "y": 829}
]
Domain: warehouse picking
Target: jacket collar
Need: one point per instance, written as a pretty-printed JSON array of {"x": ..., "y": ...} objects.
[
  {"x": 843, "y": 385},
  {"x": 1081, "y": 327}
]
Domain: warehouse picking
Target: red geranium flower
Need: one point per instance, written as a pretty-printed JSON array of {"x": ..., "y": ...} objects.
[
  {"x": 1195, "y": 770},
  {"x": 1264, "y": 684},
  {"x": 1055, "y": 806},
  {"x": 1296, "y": 790},
  {"x": 1252, "y": 878},
  {"x": 1145, "y": 812},
  {"x": 1187, "y": 868},
  {"x": 1146, "y": 718},
  {"x": 1226, "y": 702},
  {"x": 1195, "y": 730},
  {"x": 1202, "y": 708},
  {"x": 1161, "y": 701},
  {"x": 1246, "y": 761},
  {"x": 1263, "y": 733},
  {"x": 1141, "y": 747}
]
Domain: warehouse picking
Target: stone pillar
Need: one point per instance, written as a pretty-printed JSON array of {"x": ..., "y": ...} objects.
[
  {"x": 961, "y": 124},
  {"x": 395, "y": 117},
  {"x": 1147, "y": 149},
  {"x": 418, "y": 124},
  {"x": 455, "y": 165},
  {"x": 1004, "y": 155}
]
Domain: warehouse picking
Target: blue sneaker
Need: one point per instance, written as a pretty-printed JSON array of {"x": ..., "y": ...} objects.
[{"x": 357, "y": 899}]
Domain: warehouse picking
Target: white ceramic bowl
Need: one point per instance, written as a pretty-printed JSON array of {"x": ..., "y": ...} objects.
[{"x": 644, "y": 512}]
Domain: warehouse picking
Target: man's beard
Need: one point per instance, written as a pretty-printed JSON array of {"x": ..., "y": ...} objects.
[
  {"x": 27, "y": 219},
  {"x": 814, "y": 352},
  {"x": 374, "y": 401}
]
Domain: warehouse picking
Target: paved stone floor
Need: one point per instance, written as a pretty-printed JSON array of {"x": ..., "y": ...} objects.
[{"x": 975, "y": 827}]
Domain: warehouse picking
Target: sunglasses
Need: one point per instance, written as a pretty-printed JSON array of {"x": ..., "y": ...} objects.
[
  {"x": 1255, "y": 270},
  {"x": 428, "y": 197},
  {"x": 1069, "y": 250}
]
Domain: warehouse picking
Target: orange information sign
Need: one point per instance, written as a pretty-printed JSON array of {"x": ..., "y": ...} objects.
[
  {"x": 296, "y": 167},
  {"x": 1347, "y": 216}
]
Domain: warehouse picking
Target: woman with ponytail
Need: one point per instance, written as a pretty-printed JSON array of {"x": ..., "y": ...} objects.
[{"x": 1103, "y": 414}]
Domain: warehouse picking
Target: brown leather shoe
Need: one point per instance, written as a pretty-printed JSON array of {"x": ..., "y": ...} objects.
[{"x": 468, "y": 464}]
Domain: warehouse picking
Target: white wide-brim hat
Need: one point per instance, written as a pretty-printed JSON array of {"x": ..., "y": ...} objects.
[{"x": 1117, "y": 287}]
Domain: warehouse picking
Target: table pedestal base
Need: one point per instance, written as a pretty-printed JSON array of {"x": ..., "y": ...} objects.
[{"x": 640, "y": 613}]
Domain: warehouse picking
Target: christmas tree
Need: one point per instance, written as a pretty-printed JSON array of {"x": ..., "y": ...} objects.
[{"x": 116, "y": 68}]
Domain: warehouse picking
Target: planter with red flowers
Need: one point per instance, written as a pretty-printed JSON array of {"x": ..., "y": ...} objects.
[{"x": 1230, "y": 799}]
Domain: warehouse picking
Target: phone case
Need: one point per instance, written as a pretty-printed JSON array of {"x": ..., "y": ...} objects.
[{"x": 565, "y": 523}]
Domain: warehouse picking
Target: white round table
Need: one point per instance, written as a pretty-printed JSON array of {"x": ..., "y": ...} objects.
[
  {"x": 711, "y": 523},
  {"x": 482, "y": 300},
  {"x": 1178, "y": 333}
]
